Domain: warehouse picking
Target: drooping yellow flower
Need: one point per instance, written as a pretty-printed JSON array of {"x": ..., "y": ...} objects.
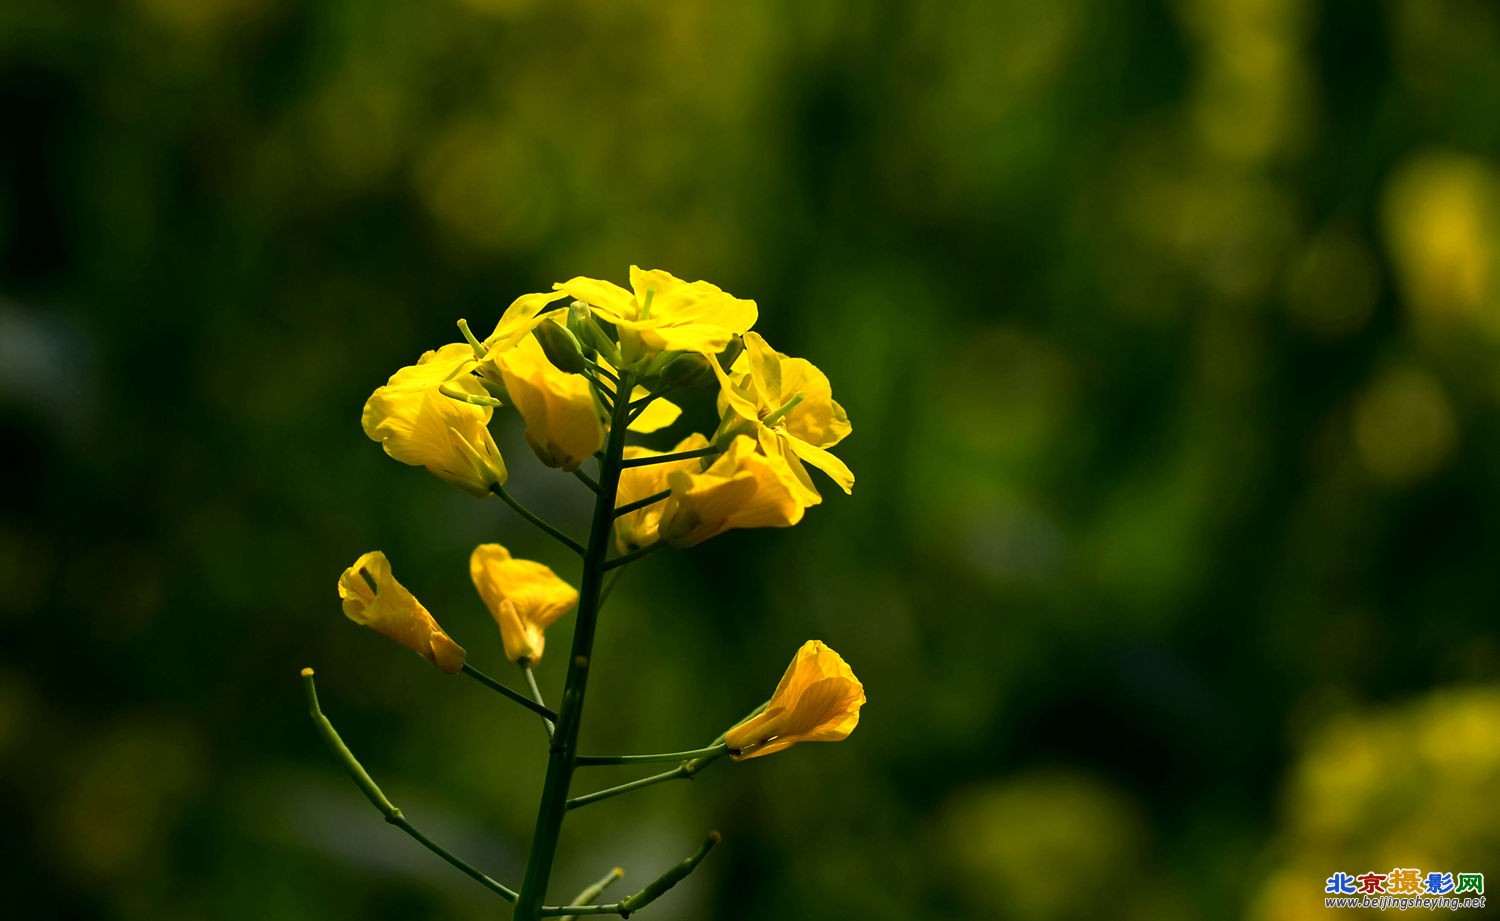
[
  {"x": 818, "y": 700},
  {"x": 640, "y": 528},
  {"x": 742, "y": 488},
  {"x": 418, "y": 424},
  {"x": 524, "y": 596},
  {"x": 372, "y": 597},
  {"x": 788, "y": 404},
  {"x": 563, "y": 424},
  {"x": 665, "y": 312}
]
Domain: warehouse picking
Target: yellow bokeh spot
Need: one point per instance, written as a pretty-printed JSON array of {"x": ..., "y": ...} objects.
[
  {"x": 1404, "y": 427},
  {"x": 1442, "y": 223}
]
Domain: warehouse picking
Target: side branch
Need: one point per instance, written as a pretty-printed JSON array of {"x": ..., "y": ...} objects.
[
  {"x": 652, "y": 499},
  {"x": 532, "y": 705},
  {"x": 714, "y": 750},
  {"x": 684, "y": 771},
  {"x": 632, "y": 556},
  {"x": 668, "y": 458},
  {"x": 532, "y": 517},
  {"x": 376, "y": 796}
]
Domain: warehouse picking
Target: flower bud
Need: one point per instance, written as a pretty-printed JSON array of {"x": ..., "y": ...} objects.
[{"x": 560, "y": 347}]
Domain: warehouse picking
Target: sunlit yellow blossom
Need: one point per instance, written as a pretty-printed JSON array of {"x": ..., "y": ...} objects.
[
  {"x": 742, "y": 488},
  {"x": 419, "y": 425},
  {"x": 374, "y": 598},
  {"x": 788, "y": 404},
  {"x": 665, "y": 312},
  {"x": 563, "y": 425},
  {"x": 818, "y": 700},
  {"x": 524, "y": 596},
  {"x": 639, "y": 528}
]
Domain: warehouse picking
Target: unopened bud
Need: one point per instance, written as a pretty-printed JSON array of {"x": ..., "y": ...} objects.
[
  {"x": 687, "y": 370},
  {"x": 560, "y": 347},
  {"x": 731, "y": 352}
]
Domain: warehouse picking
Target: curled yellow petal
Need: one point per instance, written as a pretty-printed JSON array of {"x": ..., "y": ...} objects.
[
  {"x": 641, "y": 528},
  {"x": 742, "y": 488},
  {"x": 563, "y": 425},
  {"x": 817, "y": 700},
  {"x": 417, "y": 424},
  {"x": 790, "y": 401},
  {"x": 372, "y": 597},
  {"x": 523, "y": 596}
]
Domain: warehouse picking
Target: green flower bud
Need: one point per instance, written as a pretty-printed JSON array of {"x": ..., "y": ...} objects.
[{"x": 560, "y": 347}]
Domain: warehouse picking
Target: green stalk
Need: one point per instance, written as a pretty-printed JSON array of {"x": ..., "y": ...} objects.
[{"x": 564, "y": 752}]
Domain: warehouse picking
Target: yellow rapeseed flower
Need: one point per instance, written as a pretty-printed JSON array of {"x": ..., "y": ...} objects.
[
  {"x": 524, "y": 596},
  {"x": 818, "y": 700},
  {"x": 640, "y": 528},
  {"x": 664, "y": 312},
  {"x": 372, "y": 597},
  {"x": 742, "y": 488},
  {"x": 563, "y": 424},
  {"x": 788, "y": 404},
  {"x": 417, "y": 424}
]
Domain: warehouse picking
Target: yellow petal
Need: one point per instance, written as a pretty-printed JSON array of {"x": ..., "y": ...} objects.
[
  {"x": 640, "y": 528},
  {"x": 740, "y": 489},
  {"x": 373, "y": 598},
  {"x": 523, "y": 596},
  {"x": 835, "y": 468},
  {"x": 657, "y": 415},
  {"x": 686, "y": 316},
  {"x": 563, "y": 425},
  {"x": 520, "y": 318},
  {"x": 608, "y": 299}
]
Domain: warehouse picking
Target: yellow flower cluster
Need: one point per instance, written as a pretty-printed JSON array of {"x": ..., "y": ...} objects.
[{"x": 557, "y": 363}]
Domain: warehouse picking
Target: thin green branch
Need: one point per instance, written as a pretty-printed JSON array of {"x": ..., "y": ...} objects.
[
  {"x": 684, "y": 771},
  {"x": 591, "y": 892},
  {"x": 536, "y": 694},
  {"x": 532, "y": 517},
  {"x": 669, "y": 458},
  {"x": 638, "y": 504},
  {"x": 613, "y": 908},
  {"x": 633, "y": 555},
  {"x": 376, "y": 796},
  {"x": 535, "y": 706},
  {"x": 586, "y": 480},
  {"x": 717, "y": 749}
]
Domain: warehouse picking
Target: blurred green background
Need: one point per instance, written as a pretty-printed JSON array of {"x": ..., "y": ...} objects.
[{"x": 1169, "y": 333}]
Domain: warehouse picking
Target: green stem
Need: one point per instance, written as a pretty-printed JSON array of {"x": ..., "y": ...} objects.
[
  {"x": 586, "y": 480},
  {"x": 634, "y": 555},
  {"x": 564, "y": 751},
  {"x": 530, "y": 516},
  {"x": 534, "y": 706},
  {"x": 587, "y": 760},
  {"x": 536, "y": 694},
  {"x": 668, "y": 458},
  {"x": 375, "y": 795},
  {"x": 652, "y": 499},
  {"x": 684, "y": 771}
]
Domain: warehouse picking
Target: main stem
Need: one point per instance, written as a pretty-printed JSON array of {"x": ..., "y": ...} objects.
[{"x": 564, "y": 752}]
